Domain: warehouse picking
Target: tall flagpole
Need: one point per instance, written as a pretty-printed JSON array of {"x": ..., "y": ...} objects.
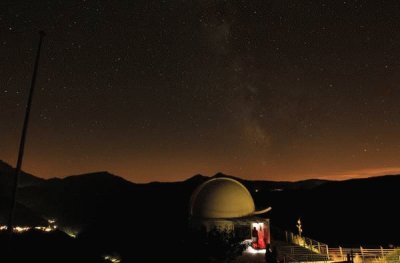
[{"x": 23, "y": 137}]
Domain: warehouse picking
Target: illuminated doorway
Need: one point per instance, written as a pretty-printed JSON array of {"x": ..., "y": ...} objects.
[{"x": 259, "y": 235}]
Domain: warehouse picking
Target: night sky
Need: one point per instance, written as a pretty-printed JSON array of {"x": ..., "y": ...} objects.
[{"x": 163, "y": 90}]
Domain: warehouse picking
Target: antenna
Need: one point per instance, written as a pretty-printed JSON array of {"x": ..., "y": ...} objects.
[{"x": 23, "y": 137}]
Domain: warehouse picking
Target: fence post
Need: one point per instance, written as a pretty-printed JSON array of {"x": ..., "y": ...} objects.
[
  {"x": 341, "y": 252},
  {"x": 383, "y": 254},
  {"x": 362, "y": 253},
  {"x": 327, "y": 252},
  {"x": 286, "y": 235},
  {"x": 319, "y": 247}
]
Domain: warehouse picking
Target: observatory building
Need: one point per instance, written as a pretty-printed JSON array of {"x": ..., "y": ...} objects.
[{"x": 225, "y": 204}]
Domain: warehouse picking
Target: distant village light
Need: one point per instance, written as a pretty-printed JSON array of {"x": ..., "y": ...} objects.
[
  {"x": 114, "y": 259},
  {"x": 21, "y": 229}
]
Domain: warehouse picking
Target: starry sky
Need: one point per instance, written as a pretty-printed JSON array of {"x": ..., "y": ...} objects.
[{"x": 163, "y": 90}]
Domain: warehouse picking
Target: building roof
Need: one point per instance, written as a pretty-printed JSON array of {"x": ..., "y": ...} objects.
[{"x": 222, "y": 198}]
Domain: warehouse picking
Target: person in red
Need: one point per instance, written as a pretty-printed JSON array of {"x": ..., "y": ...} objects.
[{"x": 261, "y": 241}]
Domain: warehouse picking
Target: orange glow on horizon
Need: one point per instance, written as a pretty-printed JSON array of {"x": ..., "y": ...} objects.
[{"x": 146, "y": 172}]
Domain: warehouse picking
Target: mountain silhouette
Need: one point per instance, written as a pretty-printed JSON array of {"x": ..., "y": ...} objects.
[
  {"x": 23, "y": 214},
  {"x": 105, "y": 207},
  {"x": 6, "y": 178}
]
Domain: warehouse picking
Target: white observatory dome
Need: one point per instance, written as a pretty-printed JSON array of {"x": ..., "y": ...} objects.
[{"x": 222, "y": 198}]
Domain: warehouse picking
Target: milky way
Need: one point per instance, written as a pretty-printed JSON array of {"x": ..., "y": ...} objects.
[{"x": 163, "y": 90}]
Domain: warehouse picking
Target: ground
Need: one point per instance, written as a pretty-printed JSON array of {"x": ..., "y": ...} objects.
[{"x": 251, "y": 256}]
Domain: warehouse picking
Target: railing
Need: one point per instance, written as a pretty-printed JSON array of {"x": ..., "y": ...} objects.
[
  {"x": 311, "y": 244},
  {"x": 361, "y": 254},
  {"x": 300, "y": 254},
  {"x": 357, "y": 255},
  {"x": 307, "y": 249}
]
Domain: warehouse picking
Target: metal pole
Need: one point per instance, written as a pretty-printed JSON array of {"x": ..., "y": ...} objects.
[
  {"x": 23, "y": 136},
  {"x": 362, "y": 253},
  {"x": 341, "y": 252},
  {"x": 327, "y": 252}
]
